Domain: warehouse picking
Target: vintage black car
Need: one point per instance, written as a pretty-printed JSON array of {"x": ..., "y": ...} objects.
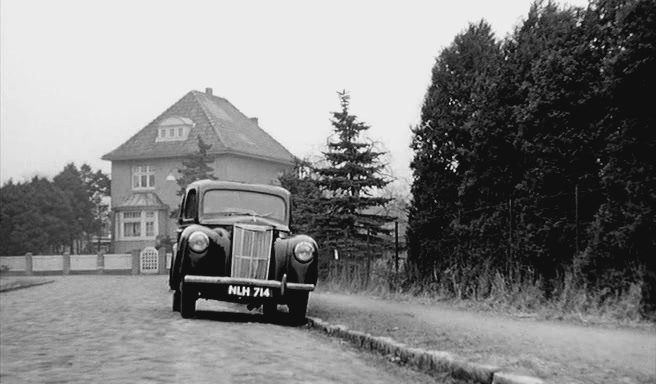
[{"x": 234, "y": 244}]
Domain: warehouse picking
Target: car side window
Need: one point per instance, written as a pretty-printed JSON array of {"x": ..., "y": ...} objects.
[{"x": 191, "y": 205}]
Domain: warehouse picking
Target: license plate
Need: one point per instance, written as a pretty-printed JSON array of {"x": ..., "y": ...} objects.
[{"x": 248, "y": 291}]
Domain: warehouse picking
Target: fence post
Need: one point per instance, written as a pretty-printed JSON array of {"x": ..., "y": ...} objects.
[
  {"x": 136, "y": 261},
  {"x": 330, "y": 270},
  {"x": 366, "y": 272},
  {"x": 369, "y": 263},
  {"x": 161, "y": 262},
  {"x": 28, "y": 263},
  {"x": 66, "y": 263},
  {"x": 100, "y": 263}
]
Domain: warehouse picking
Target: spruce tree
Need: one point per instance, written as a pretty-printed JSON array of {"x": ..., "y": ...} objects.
[{"x": 349, "y": 181}]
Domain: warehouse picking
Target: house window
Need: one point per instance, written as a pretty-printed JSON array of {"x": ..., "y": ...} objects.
[
  {"x": 174, "y": 128},
  {"x": 143, "y": 177},
  {"x": 171, "y": 134},
  {"x": 150, "y": 223},
  {"x": 131, "y": 224},
  {"x": 138, "y": 225}
]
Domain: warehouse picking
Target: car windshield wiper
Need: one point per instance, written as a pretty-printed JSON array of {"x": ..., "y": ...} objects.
[{"x": 245, "y": 212}]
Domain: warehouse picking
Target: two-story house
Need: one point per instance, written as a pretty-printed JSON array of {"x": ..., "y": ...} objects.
[{"x": 145, "y": 167}]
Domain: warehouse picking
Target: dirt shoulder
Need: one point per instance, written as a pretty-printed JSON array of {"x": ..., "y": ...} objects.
[{"x": 554, "y": 351}]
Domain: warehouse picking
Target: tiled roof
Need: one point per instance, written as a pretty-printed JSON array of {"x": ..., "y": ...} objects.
[
  {"x": 141, "y": 200},
  {"x": 217, "y": 122}
]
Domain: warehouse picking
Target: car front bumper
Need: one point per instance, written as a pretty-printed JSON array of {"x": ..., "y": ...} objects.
[{"x": 281, "y": 286}]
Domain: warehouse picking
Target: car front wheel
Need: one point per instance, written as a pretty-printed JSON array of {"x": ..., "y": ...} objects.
[
  {"x": 298, "y": 307},
  {"x": 270, "y": 310},
  {"x": 188, "y": 297},
  {"x": 176, "y": 301}
]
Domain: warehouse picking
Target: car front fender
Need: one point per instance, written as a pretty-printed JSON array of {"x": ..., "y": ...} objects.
[{"x": 286, "y": 263}]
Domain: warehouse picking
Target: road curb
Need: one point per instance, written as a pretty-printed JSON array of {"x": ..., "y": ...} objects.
[
  {"x": 20, "y": 285},
  {"x": 434, "y": 363}
]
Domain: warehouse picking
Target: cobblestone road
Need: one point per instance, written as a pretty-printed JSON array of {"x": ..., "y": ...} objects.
[{"x": 120, "y": 329}]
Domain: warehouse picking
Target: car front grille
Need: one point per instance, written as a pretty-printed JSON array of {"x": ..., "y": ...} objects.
[{"x": 251, "y": 251}]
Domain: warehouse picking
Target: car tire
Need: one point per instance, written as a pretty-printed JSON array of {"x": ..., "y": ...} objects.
[
  {"x": 270, "y": 310},
  {"x": 188, "y": 297},
  {"x": 171, "y": 282},
  {"x": 176, "y": 300},
  {"x": 298, "y": 307}
]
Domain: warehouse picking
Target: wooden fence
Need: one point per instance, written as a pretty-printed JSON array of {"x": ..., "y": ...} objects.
[{"x": 352, "y": 273}]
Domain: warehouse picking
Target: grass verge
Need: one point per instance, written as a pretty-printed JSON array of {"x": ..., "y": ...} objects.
[{"x": 569, "y": 301}]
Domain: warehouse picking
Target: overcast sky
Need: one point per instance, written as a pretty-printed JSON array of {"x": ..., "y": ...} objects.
[{"x": 78, "y": 78}]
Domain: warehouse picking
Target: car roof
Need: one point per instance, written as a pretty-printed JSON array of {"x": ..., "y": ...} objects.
[{"x": 204, "y": 185}]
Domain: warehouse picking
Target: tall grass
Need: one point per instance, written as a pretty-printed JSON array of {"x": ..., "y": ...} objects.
[{"x": 517, "y": 292}]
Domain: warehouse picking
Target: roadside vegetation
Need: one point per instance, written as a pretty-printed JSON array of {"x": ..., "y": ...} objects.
[
  {"x": 534, "y": 184},
  {"x": 534, "y": 187},
  {"x": 517, "y": 298}
]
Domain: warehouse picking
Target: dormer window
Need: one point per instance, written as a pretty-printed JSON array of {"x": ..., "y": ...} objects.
[{"x": 174, "y": 128}]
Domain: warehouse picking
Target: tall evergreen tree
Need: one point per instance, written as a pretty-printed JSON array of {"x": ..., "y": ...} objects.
[
  {"x": 460, "y": 154},
  {"x": 537, "y": 161},
  {"x": 550, "y": 78},
  {"x": 350, "y": 180},
  {"x": 622, "y": 246}
]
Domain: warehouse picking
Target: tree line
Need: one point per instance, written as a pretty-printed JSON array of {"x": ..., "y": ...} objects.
[
  {"x": 533, "y": 158},
  {"x": 44, "y": 216}
]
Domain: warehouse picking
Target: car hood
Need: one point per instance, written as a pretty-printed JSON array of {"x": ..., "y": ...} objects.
[{"x": 243, "y": 219}]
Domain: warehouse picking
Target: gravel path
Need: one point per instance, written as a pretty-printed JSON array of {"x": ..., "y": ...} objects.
[
  {"x": 120, "y": 329},
  {"x": 558, "y": 352}
]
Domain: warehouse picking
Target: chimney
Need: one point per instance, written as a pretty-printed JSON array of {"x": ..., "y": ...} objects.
[
  {"x": 255, "y": 120},
  {"x": 208, "y": 91}
]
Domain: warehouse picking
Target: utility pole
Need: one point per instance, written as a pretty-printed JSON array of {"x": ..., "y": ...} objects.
[
  {"x": 576, "y": 215},
  {"x": 510, "y": 244},
  {"x": 368, "y": 274},
  {"x": 396, "y": 246}
]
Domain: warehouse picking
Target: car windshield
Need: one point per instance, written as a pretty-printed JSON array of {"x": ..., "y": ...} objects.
[{"x": 227, "y": 202}]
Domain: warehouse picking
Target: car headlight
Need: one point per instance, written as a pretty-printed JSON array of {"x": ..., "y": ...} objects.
[
  {"x": 198, "y": 242},
  {"x": 304, "y": 251}
]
